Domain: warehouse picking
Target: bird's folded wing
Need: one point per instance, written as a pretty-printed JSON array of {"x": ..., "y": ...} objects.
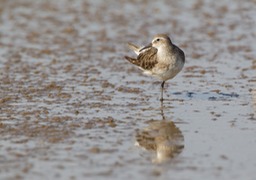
[{"x": 148, "y": 59}]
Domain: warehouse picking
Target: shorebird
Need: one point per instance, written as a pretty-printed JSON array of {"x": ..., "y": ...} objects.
[{"x": 161, "y": 59}]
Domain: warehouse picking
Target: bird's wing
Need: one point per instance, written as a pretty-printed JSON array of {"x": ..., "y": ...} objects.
[
  {"x": 135, "y": 48},
  {"x": 132, "y": 60},
  {"x": 147, "y": 59}
]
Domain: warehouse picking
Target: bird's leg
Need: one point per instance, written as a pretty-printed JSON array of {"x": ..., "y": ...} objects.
[{"x": 162, "y": 91}]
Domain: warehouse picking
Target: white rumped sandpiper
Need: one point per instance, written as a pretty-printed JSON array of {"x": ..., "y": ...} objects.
[{"x": 161, "y": 59}]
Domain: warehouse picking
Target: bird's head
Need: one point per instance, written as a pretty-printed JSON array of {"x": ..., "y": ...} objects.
[{"x": 159, "y": 41}]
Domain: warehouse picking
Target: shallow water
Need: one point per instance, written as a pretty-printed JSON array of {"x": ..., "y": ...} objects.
[{"x": 73, "y": 108}]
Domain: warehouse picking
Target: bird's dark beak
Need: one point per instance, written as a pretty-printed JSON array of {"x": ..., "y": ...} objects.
[{"x": 146, "y": 47}]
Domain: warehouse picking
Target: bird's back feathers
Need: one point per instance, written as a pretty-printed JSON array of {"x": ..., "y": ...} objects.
[{"x": 146, "y": 59}]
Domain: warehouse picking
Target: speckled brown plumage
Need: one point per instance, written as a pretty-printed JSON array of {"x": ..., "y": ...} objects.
[{"x": 146, "y": 60}]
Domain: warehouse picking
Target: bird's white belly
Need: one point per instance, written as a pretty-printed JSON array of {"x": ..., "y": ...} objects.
[{"x": 164, "y": 72}]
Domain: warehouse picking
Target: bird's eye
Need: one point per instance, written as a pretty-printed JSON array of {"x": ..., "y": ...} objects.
[{"x": 157, "y": 39}]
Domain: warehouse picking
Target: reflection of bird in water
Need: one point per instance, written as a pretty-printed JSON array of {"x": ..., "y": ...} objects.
[{"x": 163, "y": 137}]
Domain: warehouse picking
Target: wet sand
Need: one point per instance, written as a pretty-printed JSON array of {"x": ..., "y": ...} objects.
[{"x": 71, "y": 107}]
